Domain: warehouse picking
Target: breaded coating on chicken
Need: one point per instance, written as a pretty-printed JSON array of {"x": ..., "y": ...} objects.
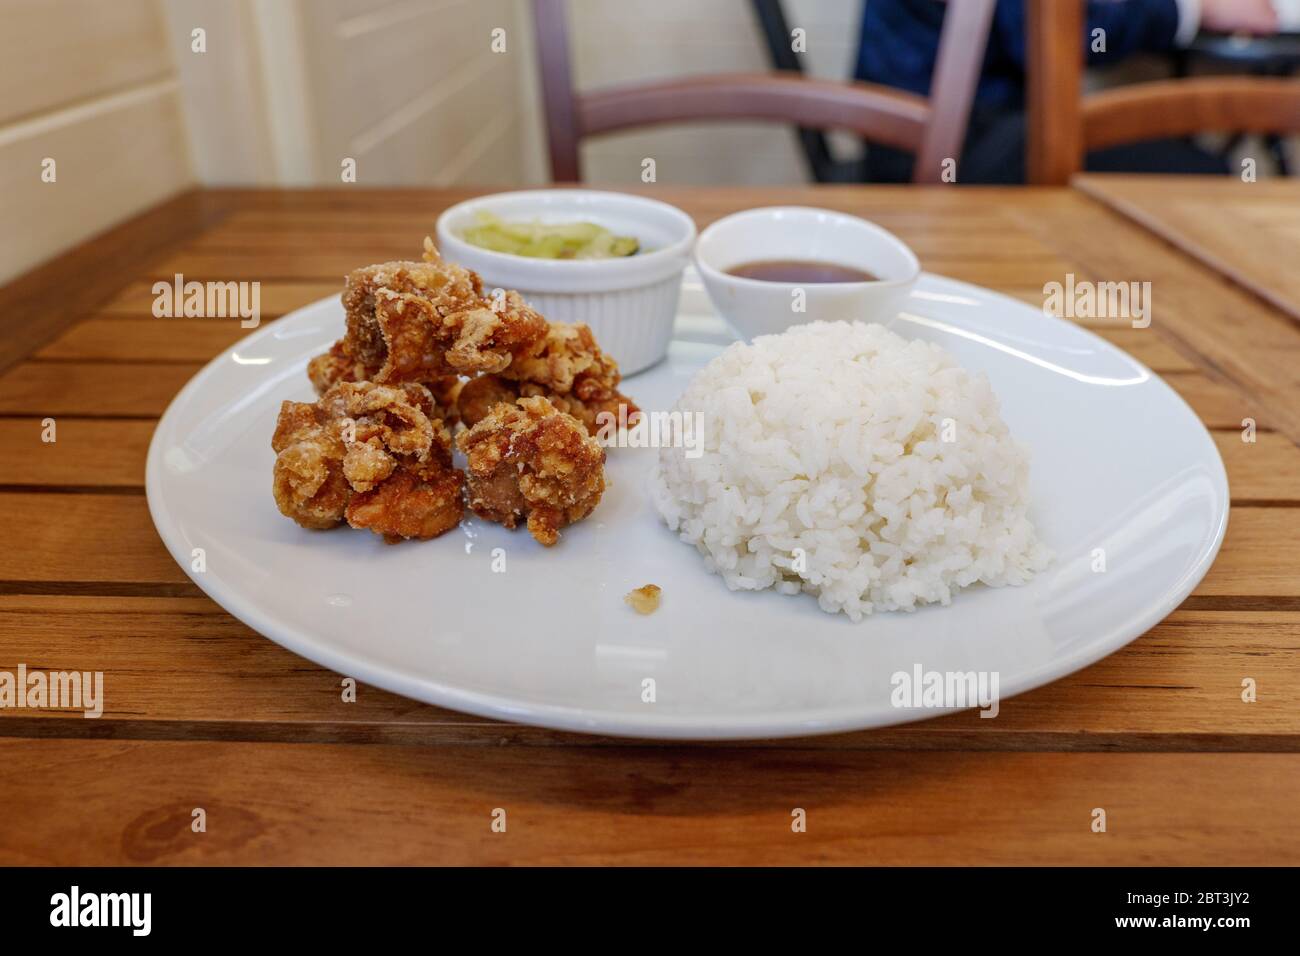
[
  {"x": 418, "y": 501},
  {"x": 374, "y": 455},
  {"x": 570, "y": 371},
  {"x": 504, "y": 331},
  {"x": 422, "y": 343},
  {"x": 567, "y": 358},
  {"x": 478, "y": 395},
  {"x": 446, "y": 286},
  {"x": 529, "y": 459},
  {"x": 308, "y": 481},
  {"x": 416, "y": 321},
  {"x": 414, "y": 346},
  {"x": 335, "y": 366}
]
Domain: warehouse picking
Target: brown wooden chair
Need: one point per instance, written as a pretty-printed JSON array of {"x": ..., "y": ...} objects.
[
  {"x": 933, "y": 128},
  {"x": 1063, "y": 124}
]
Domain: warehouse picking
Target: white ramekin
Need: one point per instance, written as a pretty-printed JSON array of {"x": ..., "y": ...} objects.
[
  {"x": 758, "y": 307},
  {"x": 630, "y": 303}
]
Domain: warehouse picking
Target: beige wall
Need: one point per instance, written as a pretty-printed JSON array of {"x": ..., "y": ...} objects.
[
  {"x": 115, "y": 93},
  {"x": 223, "y": 90},
  {"x": 92, "y": 87},
  {"x": 409, "y": 89},
  {"x": 415, "y": 93}
]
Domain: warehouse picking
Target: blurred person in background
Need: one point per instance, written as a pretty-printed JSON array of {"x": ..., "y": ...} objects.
[{"x": 900, "y": 40}]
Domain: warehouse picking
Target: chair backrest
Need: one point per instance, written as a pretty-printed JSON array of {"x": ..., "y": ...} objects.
[
  {"x": 1063, "y": 124},
  {"x": 932, "y": 128}
]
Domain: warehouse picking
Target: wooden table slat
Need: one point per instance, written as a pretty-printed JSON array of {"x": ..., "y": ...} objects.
[
  {"x": 1177, "y": 687},
  {"x": 1247, "y": 231},
  {"x": 404, "y": 805},
  {"x": 1242, "y": 341},
  {"x": 276, "y": 297}
]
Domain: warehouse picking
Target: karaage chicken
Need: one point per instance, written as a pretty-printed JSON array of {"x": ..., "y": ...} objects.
[
  {"x": 411, "y": 321},
  {"x": 308, "y": 482},
  {"x": 335, "y": 366},
  {"x": 569, "y": 370},
  {"x": 527, "y": 459},
  {"x": 329, "y": 368},
  {"x": 375, "y": 450},
  {"x": 445, "y": 286},
  {"x": 374, "y": 455}
]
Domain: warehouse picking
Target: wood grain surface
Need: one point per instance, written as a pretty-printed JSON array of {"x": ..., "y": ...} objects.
[
  {"x": 201, "y": 711},
  {"x": 1249, "y": 231},
  {"x": 326, "y": 803}
]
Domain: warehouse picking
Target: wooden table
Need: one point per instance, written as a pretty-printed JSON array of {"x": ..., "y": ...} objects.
[
  {"x": 203, "y": 712},
  {"x": 1248, "y": 231}
]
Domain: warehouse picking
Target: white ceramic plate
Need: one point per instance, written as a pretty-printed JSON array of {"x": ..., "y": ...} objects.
[{"x": 1119, "y": 462}]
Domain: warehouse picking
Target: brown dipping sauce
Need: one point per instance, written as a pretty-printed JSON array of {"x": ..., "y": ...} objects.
[{"x": 800, "y": 270}]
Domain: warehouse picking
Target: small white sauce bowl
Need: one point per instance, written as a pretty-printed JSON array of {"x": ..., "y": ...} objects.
[
  {"x": 630, "y": 303},
  {"x": 759, "y": 307}
]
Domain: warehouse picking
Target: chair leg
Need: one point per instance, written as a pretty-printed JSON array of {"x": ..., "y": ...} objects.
[{"x": 776, "y": 31}]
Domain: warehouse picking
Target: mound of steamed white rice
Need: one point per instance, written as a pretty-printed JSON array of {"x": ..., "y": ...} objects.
[{"x": 843, "y": 460}]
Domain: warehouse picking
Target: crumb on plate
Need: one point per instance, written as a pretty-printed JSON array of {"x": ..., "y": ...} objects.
[{"x": 645, "y": 599}]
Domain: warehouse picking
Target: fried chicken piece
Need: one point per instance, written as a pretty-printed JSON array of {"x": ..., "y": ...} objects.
[
  {"x": 528, "y": 459},
  {"x": 572, "y": 367},
  {"x": 568, "y": 356},
  {"x": 445, "y": 391},
  {"x": 478, "y": 395},
  {"x": 421, "y": 501},
  {"x": 416, "y": 501},
  {"x": 415, "y": 345},
  {"x": 445, "y": 286},
  {"x": 400, "y": 419},
  {"x": 375, "y": 455},
  {"x": 308, "y": 481},
  {"x": 489, "y": 339},
  {"x": 337, "y": 365},
  {"x": 422, "y": 344},
  {"x": 413, "y": 321},
  {"x": 569, "y": 370}
]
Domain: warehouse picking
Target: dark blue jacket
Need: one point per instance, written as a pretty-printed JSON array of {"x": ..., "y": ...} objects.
[{"x": 900, "y": 39}]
